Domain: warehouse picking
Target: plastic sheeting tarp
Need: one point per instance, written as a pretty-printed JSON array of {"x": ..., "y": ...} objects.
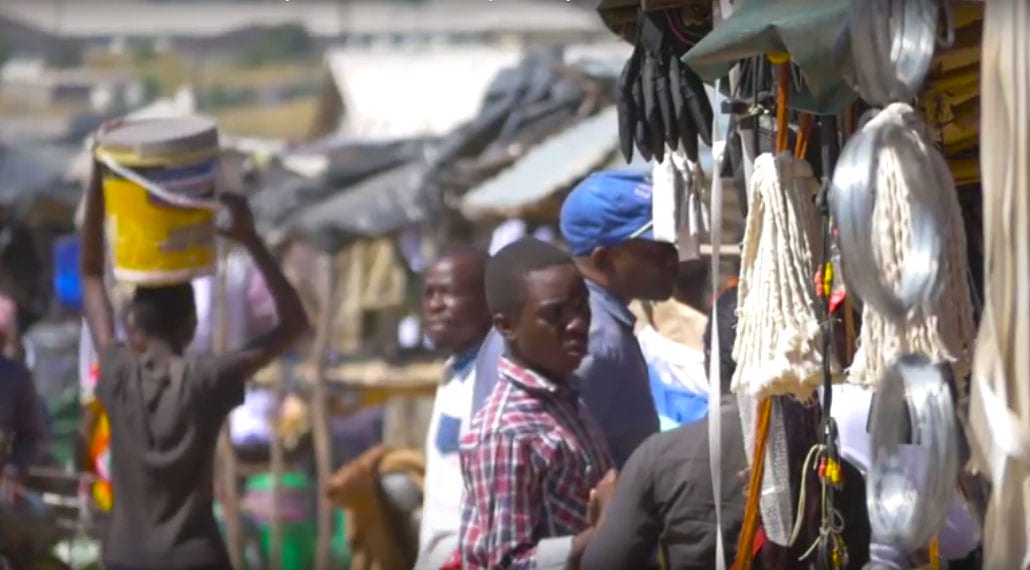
[
  {"x": 376, "y": 206},
  {"x": 814, "y": 32},
  {"x": 33, "y": 171},
  {"x": 554, "y": 164},
  {"x": 394, "y": 94}
]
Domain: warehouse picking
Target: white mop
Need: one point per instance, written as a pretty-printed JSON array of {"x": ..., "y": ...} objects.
[
  {"x": 778, "y": 347},
  {"x": 941, "y": 328}
]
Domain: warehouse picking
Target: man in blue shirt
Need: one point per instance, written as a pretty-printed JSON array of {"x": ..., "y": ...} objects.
[{"x": 607, "y": 223}]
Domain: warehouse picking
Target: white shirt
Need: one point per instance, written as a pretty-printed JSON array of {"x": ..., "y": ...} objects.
[
  {"x": 676, "y": 364},
  {"x": 441, "y": 507}
]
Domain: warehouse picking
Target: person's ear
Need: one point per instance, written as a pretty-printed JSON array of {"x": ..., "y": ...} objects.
[
  {"x": 505, "y": 325},
  {"x": 601, "y": 258}
]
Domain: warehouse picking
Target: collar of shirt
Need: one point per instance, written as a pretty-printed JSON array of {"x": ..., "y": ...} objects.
[
  {"x": 530, "y": 380},
  {"x": 460, "y": 363},
  {"x": 612, "y": 305}
]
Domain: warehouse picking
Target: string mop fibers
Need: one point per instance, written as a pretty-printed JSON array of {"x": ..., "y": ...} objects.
[
  {"x": 914, "y": 286},
  {"x": 777, "y": 348}
]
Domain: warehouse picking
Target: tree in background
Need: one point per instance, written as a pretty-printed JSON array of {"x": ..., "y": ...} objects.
[
  {"x": 65, "y": 55},
  {"x": 280, "y": 43},
  {"x": 144, "y": 51},
  {"x": 5, "y": 52},
  {"x": 152, "y": 87}
]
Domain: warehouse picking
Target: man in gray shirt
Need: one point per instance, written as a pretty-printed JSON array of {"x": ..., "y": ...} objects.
[
  {"x": 166, "y": 408},
  {"x": 607, "y": 223}
]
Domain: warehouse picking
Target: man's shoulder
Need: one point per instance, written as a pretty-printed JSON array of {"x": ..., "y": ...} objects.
[
  {"x": 684, "y": 443},
  {"x": 12, "y": 369},
  {"x": 509, "y": 417},
  {"x": 16, "y": 377}
]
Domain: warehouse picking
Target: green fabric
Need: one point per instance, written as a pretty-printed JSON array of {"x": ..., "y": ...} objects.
[
  {"x": 299, "y": 543},
  {"x": 65, "y": 413},
  {"x": 291, "y": 480},
  {"x": 813, "y": 32},
  {"x": 340, "y": 547},
  {"x": 300, "y": 538}
]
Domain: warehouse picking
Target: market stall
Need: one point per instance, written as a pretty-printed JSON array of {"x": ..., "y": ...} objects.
[{"x": 859, "y": 136}]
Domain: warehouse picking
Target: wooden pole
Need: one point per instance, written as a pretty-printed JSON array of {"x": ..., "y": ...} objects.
[
  {"x": 226, "y": 455},
  {"x": 278, "y": 467},
  {"x": 320, "y": 409}
]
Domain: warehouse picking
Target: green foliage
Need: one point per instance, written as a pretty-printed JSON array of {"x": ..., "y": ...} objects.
[
  {"x": 5, "y": 52},
  {"x": 219, "y": 96},
  {"x": 152, "y": 87},
  {"x": 65, "y": 55},
  {"x": 280, "y": 43},
  {"x": 144, "y": 52}
]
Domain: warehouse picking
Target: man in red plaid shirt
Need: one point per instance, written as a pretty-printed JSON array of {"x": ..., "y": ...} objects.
[{"x": 533, "y": 456}]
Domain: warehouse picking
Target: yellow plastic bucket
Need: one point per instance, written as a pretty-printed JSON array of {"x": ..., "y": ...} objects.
[{"x": 159, "y": 192}]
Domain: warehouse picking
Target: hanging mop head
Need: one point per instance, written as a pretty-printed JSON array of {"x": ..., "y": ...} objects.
[{"x": 778, "y": 347}]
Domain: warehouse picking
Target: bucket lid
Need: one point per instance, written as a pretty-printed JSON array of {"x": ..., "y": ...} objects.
[{"x": 149, "y": 138}]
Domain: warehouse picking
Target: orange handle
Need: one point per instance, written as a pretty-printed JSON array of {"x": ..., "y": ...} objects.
[{"x": 745, "y": 555}]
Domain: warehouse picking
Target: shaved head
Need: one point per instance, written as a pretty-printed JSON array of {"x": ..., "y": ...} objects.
[{"x": 454, "y": 301}]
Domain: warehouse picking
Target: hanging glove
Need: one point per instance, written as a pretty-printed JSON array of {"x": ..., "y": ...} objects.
[
  {"x": 662, "y": 102},
  {"x": 625, "y": 105}
]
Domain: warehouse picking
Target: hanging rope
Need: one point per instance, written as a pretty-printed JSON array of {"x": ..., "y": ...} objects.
[{"x": 999, "y": 416}]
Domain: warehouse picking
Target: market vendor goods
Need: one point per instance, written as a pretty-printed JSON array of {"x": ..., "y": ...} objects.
[{"x": 159, "y": 189}]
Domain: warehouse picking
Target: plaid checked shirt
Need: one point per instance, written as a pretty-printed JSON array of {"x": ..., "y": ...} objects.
[{"x": 529, "y": 461}]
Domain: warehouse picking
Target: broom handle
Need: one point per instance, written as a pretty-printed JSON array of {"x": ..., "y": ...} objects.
[
  {"x": 745, "y": 552},
  {"x": 782, "y": 96},
  {"x": 804, "y": 130}
]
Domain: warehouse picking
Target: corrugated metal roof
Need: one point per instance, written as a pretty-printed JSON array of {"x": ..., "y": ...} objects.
[
  {"x": 376, "y": 206},
  {"x": 557, "y": 162}
]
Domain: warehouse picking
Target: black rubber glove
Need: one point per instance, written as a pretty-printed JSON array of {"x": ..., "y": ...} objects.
[
  {"x": 625, "y": 104},
  {"x": 661, "y": 101}
]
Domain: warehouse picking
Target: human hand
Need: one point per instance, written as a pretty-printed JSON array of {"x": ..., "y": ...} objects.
[
  {"x": 600, "y": 496},
  {"x": 234, "y": 219}
]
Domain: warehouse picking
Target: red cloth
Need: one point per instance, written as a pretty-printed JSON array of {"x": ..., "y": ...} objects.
[{"x": 454, "y": 562}]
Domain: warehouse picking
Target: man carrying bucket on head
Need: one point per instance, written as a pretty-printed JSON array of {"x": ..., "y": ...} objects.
[{"x": 165, "y": 409}]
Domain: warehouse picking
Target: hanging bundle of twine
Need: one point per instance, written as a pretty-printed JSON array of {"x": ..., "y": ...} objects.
[
  {"x": 999, "y": 415},
  {"x": 915, "y": 203},
  {"x": 778, "y": 335}
]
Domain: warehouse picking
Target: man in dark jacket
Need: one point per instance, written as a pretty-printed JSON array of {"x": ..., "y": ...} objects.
[
  {"x": 21, "y": 427},
  {"x": 663, "y": 498}
]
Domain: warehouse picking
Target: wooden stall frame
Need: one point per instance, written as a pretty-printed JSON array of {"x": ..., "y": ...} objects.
[
  {"x": 319, "y": 408},
  {"x": 226, "y": 454}
]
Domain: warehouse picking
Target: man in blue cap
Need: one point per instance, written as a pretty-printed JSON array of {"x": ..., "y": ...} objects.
[{"x": 607, "y": 223}]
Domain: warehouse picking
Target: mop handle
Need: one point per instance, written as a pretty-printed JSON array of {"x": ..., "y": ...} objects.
[{"x": 782, "y": 61}]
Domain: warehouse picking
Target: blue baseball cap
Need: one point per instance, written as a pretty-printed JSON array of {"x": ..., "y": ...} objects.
[{"x": 606, "y": 209}]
